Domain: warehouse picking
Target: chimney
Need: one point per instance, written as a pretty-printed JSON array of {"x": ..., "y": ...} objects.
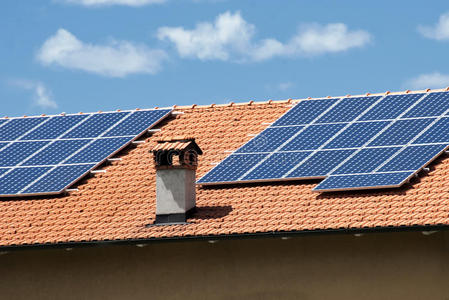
[{"x": 176, "y": 161}]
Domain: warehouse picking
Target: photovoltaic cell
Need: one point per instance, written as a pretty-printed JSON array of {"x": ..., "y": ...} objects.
[
  {"x": 95, "y": 125},
  {"x": 17, "y": 152},
  {"x": 312, "y": 137},
  {"x": 58, "y": 179},
  {"x": 54, "y": 127},
  {"x": 366, "y": 160},
  {"x": 320, "y": 164},
  {"x": 438, "y": 133},
  {"x": 401, "y": 132},
  {"x": 137, "y": 122},
  {"x": 391, "y": 107},
  {"x": 276, "y": 165},
  {"x": 56, "y": 152},
  {"x": 269, "y": 139},
  {"x": 435, "y": 104},
  {"x": 356, "y": 135},
  {"x": 413, "y": 158},
  {"x": 304, "y": 112},
  {"x": 15, "y": 128},
  {"x": 14, "y": 181},
  {"x": 366, "y": 181},
  {"x": 348, "y": 109},
  {"x": 233, "y": 167}
]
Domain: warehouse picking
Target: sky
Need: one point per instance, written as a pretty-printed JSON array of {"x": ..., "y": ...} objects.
[{"x": 90, "y": 55}]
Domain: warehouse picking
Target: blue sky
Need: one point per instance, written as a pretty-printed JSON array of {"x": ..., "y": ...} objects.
[{"x": 89, "y": 55}]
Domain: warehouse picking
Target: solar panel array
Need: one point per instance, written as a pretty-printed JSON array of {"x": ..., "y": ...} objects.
[
  {"x": 352, "y": 142},
  {"x": 47, "y": 154}
]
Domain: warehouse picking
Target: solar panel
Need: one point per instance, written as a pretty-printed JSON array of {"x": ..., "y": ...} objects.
[
  {"x": 356, "y": 135},
  {"x": 46, "y": 155},
  {"x": 401, "y": 132},
  {"x": 15, "y": 128},
  {"x": 270, "y": 139},
  {"x": 312, "y": 137},
  {"x": 351, "y": 142},
  {"x": 363, "y": 181},
  {"x": 57, "y": 179}
]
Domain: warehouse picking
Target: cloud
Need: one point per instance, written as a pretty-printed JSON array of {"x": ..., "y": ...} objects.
[
  {"x": 230, "y": 37},
  {"x": 439, "y": 31},
  {"x": 430, "y": 80},
  {"x": 113, "y": 2},
  {"x": 283, "y": 86},
  {"x": 42, "y": 95},
  {"x": 115, "y": 59}
]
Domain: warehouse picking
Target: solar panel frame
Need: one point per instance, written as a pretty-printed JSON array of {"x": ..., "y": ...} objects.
[
  {"x": 33, "y": 189},
  {"x": 21, "y": 193},
  {"x": 402, "y": 177}
]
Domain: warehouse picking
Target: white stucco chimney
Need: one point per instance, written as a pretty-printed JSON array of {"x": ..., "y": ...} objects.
[{"x": 176, "y": 162}]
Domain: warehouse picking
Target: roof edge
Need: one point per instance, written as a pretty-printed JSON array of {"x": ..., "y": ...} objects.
[{"x": 270, "y": 234}]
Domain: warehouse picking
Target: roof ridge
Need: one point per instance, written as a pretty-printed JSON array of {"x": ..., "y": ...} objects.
[
  {"x": 290, "y": 100},
  {"x": 251, "y": 102}
]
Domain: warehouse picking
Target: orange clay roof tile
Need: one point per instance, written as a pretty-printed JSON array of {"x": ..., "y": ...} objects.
[{"x": 119, "y": 204}]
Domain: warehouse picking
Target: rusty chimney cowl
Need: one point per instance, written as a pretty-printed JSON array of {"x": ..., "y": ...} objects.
[{"x": 176, "y": 161}]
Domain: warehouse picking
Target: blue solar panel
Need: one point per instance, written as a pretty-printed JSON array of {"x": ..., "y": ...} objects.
[
  {"x": 401, "y": 132},
  {"x": 435, "y": 104},
  {"x": 396, "y": 134},
  {"x": 17, "y": 152},
  {"x": 233, "y": 167},
  {"x": 356, "y": 135},
  {"x": 16, "y": 180},
  {"x": 320, "y": 164},
  {"x": 413, "y": 158},
  {"x": 54, "y": 127},
  {"x": 58, "y": 179},
  {"x": 391, "y": 107},
  {"x": 137, "y": 122},
  {"x": 438, "y": 133},
  {"x": 56, "y": 152},
  {"x": 277, "y": 165},
  {"x": 98, "y": 150},
  {"x": 15, "y": 128},
  {"x": 305, "y": 112},
  {"x": 366, "y": 160},
  {"x": 365, "y": 181},
  {"x": 270, "y": 139},
  {"x": 56, "y": 143},
  {"x": 3, "y": 171},
  {"x": 348, "y": 109},
  {"x": 312, "y": 137},
  {"x": 95, "y": 125}
]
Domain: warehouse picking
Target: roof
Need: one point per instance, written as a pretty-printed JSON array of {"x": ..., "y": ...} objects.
[
  {"x": 177, "y": 144},
  {"x": 119, "y": 204}
]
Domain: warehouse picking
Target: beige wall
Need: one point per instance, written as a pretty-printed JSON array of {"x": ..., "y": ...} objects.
[{"x": 374, "y": 266}]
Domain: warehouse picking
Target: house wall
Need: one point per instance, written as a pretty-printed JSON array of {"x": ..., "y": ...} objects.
[{"x": 374, "y": 266}]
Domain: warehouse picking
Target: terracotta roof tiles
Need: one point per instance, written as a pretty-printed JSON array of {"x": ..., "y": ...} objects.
[{"x": 119, "y": 204}]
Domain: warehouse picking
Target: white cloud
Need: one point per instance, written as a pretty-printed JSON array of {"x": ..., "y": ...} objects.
[
  {"x": 113, "y": 2},
  {"x": 430, "y": 80},
  {"x": 439, "y": 31},
  {"x": 283, "y": 86},
  {"x": 115, "y": 59},
  {"x": 230, "y": 37},
  {"x": 42, "y": 95}
]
